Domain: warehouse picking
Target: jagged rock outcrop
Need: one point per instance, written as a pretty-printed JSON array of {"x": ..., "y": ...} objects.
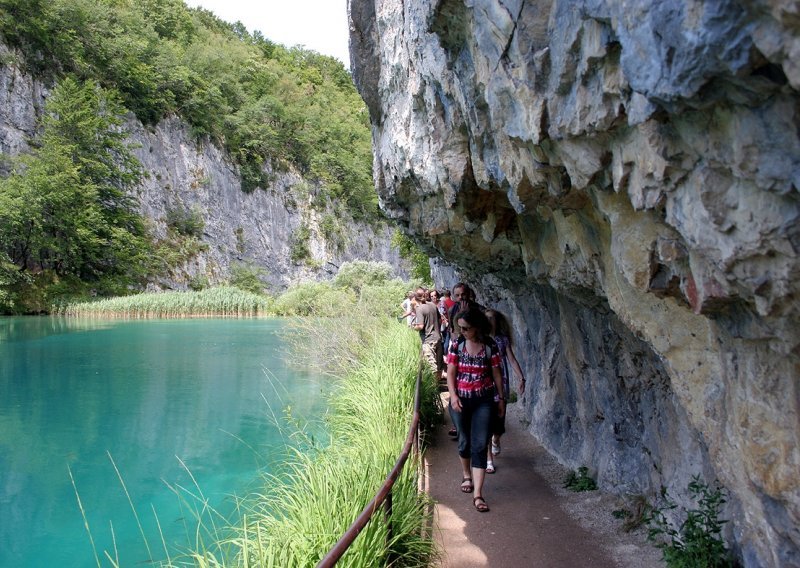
[
  {"x": 257, "y": 229},
  {"x": 622, "y": 180}
]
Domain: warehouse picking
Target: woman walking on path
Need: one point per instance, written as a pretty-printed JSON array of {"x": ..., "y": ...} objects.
[
  {"x": 501, "y": 334},
  {"x": 473, "y": 380}
]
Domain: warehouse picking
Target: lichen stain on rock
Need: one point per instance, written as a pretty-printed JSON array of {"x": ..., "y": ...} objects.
[{"x": 622, "y": 180}]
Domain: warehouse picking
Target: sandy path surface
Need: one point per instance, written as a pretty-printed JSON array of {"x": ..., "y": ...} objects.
[{"x": 533, "y": 520}]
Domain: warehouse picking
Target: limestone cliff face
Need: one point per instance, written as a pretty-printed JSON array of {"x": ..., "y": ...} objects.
[
  {"x": 257, "y": 229},
  {"x": 621, "y": 179}
]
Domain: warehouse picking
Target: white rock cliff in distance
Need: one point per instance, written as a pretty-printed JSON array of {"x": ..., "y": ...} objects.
[
  {"x": 621, "y": 179},
  {"x": 255, "y": 229}
]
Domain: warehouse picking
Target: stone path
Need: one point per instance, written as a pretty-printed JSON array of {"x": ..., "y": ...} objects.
[{"x": 533, "y": 521}]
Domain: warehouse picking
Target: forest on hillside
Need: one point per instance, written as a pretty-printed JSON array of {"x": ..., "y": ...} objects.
[{"x": 67, "y": 223}]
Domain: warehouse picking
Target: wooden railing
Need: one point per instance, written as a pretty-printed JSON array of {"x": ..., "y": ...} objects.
[{"x": 384, "y": 494}]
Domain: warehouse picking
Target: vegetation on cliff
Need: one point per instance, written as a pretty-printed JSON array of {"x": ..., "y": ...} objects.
[
  {"x": 67, "y": 220},
  {"x": 260, "y": 100},
  {"x": 68, "y": 226}
]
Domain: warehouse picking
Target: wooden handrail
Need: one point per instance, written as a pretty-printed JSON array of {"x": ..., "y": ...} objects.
[{"x": 384, "y": 494}]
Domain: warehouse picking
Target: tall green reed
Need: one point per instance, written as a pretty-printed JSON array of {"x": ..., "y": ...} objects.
[
  {"x": 225, "y": 301},
  {"x": 306, "y": 508}
]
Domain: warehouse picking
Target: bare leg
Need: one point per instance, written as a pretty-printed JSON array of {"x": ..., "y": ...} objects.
[
  {"x": 478, "y": 501},
  {"x": 465, "y": 468},
  {"x": 467, "y": 484},
  {"x": 489, "y": 461},
  {"x": 478, "y": 475},
  {"x": 496, "y": 444}
]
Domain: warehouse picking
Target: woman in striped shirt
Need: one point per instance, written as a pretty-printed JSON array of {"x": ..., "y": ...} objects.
[{"x": 473, "y": 380}]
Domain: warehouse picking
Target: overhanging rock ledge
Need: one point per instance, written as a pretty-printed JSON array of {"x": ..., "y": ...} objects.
[{"x": 621, "y": 179}]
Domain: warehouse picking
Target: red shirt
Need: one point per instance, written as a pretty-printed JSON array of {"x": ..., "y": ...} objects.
[{"x": 473, "y": 379}]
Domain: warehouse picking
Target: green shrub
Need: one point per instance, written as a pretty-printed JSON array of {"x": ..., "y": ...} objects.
[
  {"x": 697, "y": 541},
  {"x": 357, "y": 274},
  {"x": 299, "y": 250},
  {"x": 198, "y": 282},
  {"x": 186, "y": 222},
  {"x": 333, "y": 232},
  {"x": 248, "y": 277},
  {"x": 312, "y": 299},
  {"x": 240, "y": 244},
  {"x": 410, "y": 251},
  {"x": 383, "y": 299},
  {"x": 580, "y": 480},
  {"x": 170, "y": 253}
]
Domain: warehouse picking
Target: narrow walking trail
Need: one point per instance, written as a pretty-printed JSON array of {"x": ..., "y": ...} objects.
[{"x": 533, "y": 522}]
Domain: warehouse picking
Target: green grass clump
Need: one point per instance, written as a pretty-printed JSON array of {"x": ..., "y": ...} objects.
[
  {"x": 580, "y": 480},
  {"x": 302, "y": 513},
  {"x": 211, "y": 302}
]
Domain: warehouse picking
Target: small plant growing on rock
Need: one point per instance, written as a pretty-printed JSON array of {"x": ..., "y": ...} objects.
[
  {"x": 634, "y": 514},
  {"x": 580, "y": 480},
  {"x": 697, "y": 541}
]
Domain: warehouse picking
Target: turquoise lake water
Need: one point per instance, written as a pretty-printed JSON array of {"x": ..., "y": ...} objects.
[{"x": 144, "y": 396}]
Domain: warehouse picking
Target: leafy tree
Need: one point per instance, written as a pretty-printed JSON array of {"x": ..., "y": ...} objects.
[
  {"x": 248, "y": 278},
  {"x": 65, "y": 208},
  {"x": 265, "y": 103},
  {"x": 408, "y": 249},
  {"x": 11, "y": 279}
]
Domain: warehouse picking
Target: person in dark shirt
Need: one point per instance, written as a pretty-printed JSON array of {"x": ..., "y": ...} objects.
[
  {"x": 464, "y": 299},
  {"x": 501, "y": 333},
  {"x": 427, "y": 323}
]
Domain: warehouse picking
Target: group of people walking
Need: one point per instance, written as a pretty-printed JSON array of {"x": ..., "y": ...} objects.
[{"x": 468, "y": 347}]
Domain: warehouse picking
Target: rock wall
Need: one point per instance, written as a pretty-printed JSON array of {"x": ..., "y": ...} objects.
[
  {"x": 257, "y": 228},
  {"x": 621, "y": 179}
]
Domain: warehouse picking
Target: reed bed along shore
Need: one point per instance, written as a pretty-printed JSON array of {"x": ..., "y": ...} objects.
[
  {"x": 223, "y": 301},
  {"x": 306, "y": 508}
]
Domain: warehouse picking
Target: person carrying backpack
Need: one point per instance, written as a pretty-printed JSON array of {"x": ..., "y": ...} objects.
[
  {"x": 473, "y": 380},
  {"x": 501, "y": 334}
]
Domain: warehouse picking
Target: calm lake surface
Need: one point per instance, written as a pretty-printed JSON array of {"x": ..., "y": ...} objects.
[{"x": 92, "y": 397}]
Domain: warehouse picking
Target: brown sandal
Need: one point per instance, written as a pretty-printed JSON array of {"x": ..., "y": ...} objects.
[
  {"x": 480, "y": 504},
  {"x": 466, "y": 485}
]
